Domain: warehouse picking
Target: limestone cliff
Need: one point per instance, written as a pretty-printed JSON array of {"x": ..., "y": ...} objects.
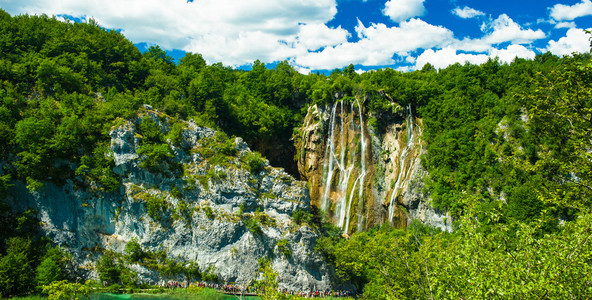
[
  {"x": 199, "y": 208},
  {"x": 360, "y": 177}
]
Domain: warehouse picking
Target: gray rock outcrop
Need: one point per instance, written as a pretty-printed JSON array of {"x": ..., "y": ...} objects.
[{"x": 202, "y": 207}]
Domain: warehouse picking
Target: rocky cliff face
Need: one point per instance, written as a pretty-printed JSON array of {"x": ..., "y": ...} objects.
[
  {"x": 359, "y": 177},
  {"x": 205, "y": 208}
]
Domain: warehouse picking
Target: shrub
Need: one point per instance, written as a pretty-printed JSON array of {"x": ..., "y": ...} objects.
[
  {"x": 210, "y": 275},
  {"x": 154, "y": 155},
  {"x": 156, "y": 206},
  {"x": 282, "y": 246},
  {"x": 253, "y": 226},
  {"x": 301, "y": 216},
  {"x": 209, "y": 212},
  {"x": 255, "y": 162},
  {"x": 191, "y": 271},
  {"x": 182, "y": 211},
  {"x": 134, "y": 251},
  {"x": 63, "y": 290},
  {"x": 51, "y": 267},
  {"x": 109, "y": 271},
  {"x": 16, "y": 274}
]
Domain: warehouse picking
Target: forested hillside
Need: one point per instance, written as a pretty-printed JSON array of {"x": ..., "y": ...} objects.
[{"x": 508, "y": 153}]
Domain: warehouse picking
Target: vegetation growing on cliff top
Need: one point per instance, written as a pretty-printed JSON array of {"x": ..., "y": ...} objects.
[{"x": 508, "y": 152}]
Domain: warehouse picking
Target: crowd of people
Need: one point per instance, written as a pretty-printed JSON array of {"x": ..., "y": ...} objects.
[{"x": 251, "y": 290}]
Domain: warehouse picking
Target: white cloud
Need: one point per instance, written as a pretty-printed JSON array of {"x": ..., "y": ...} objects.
[
  {"x": 565, "y": 25},
  {"x": 499, "y": 31},
  {"x": 233, "y": 32},
  {"x": 404, "y": 69},
  {"x": 561, "y": 12},
  {"x": 409, "y": 36},
  {"x": 575, "y": 40},
  {"x": 301, "y": 70},
  {"x": 378, "y": 44},
  {"x": 402, "y": 10},
  {"x": 238, "y": 32},
  {"x": 504, "y": 29},
  {"x": 509, "y": 54},
  {"x": 467, "y": 12},
  {"x": 315, "y": 36},
  {"x": 447, "y": 56}
]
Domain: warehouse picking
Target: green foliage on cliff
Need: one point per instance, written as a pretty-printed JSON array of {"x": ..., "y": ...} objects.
[
  {"x": 283, "y": 248},
  {"x": 157, "y": 207},
  {"x": 508, "y": 154},
  {"x": 254, "y": 162}
]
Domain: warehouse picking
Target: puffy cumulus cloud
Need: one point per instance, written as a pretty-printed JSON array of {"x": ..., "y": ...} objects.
[
  {"x": 472, "y": 45},
  {"x": 342, "y": 55},
  {"x": 509, "y": 54},
  {"x": 409, "y": 36},
  {"x": 504, "y": 29},
  {"x": 447, "y": 56},
  {"x": 561, "y": 12},
  {"x": 378, "y": 44},
  {"x": 498, "y": 31},
  {"x": 233, "y": 32},
  {"x": 575, "y": 40},
  {"x": 315, "y": 36},
  {"x": 402, "y": 10},
  {"x": 467, "y": 12}
]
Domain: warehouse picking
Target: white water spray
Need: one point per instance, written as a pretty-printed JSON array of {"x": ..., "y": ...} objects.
[
  {"x": 330, "y": 163},
  {"x": 404, "y": 170},
  {"x": 363, "y": 174}
]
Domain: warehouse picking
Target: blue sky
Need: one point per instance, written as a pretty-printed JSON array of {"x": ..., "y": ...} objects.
[{"x": 326, "y": 34}]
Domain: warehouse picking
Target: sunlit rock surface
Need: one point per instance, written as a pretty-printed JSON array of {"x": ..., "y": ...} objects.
[
  {"x": 361, "y": 177},
  {"x": 201, "y": 216}
]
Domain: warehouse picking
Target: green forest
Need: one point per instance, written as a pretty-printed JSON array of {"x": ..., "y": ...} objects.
[{"x": 522, "y": 130}]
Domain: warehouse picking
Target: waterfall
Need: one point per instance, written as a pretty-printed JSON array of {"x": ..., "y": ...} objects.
[
  {"x": 351, "y": 200},
  {"x": 344, "y": 173},
  {"x": 340, "y": 163},
  {"x": 344, "y": 186},
  {"x": 329, "y": 163},
  {"x": 404, "y": 171},
  {"x": 336, "y": 161},
  {"x": 363, "y": 164},
  {"x": 346, "y": 168},
  {"x": 345, "y": 220}
]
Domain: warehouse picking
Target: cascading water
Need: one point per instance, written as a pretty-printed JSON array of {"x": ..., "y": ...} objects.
[
  {"x": 341, "y": 159},
  {"x": 363, "y": 173},
  {"x": 329, "y": 163},
  {"x": 405, "y": 165},
  {"x": 347, "y": 173}
]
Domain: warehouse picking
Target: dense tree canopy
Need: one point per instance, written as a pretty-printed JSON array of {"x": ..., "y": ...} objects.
[{"x": 508, "y": 152}]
